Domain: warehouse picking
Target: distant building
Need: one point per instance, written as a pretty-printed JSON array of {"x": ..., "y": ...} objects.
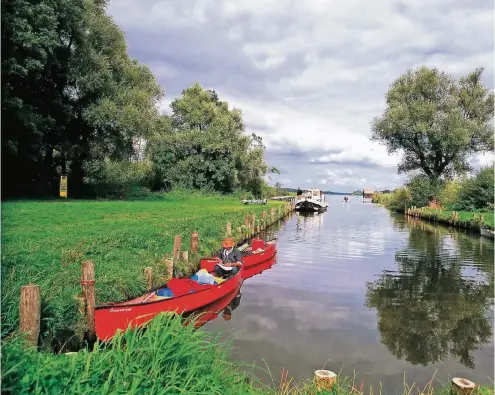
[{"x": 368, "y": 193}]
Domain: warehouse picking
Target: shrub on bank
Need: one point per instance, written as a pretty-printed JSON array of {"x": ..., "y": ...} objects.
[{"x": 475, "y": 194}]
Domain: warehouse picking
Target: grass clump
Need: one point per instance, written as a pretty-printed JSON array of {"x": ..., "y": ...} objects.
[
  {"x": 43, "y": 242},
  {"x": 162, "y": 358}
]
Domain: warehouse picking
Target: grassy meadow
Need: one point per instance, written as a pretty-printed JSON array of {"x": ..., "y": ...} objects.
[{"x": 44, "y": 242}]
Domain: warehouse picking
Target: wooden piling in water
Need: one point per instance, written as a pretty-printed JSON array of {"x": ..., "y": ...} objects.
[
  {"x": 228, "y": 229},
  {"x": 148, "y": 275},
  {"x": 88, "y": 286},
  {"x": 30, "y": 312},
  {"x": 176, "y": 251},
  {"x": 194, "y": 242}
]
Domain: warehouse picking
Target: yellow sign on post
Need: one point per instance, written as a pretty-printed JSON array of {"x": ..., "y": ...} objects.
[{"x": 63, "y": 186}]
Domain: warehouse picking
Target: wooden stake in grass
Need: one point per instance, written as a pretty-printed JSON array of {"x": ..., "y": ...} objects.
[
  {"x": 88, "y": 286},
  {"x": 272, "y": 214},
  {"x": 462, "y": 386},
  {"x": 177, "y": 242},
  {"x": 194, "y": 242},
  {"x": 228, "y": 227},
  {"x": 324, "y": 379},
  {"x": 169, "y": 266},
  {"x": 264, "y": 218},
  {"x": 30, "y": 312},
  {"x": 148, "y": 275},
  {"x": 246, "y": 221},
  {"x": 185, "y": 257}
]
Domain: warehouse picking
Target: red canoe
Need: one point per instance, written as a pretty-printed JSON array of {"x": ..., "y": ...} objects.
[
  {"x": 181, "y": 295},
  {"x": 259, "y": 252}
]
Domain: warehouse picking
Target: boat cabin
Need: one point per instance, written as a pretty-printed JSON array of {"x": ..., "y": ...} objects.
[{"x": 315, "y": 194}]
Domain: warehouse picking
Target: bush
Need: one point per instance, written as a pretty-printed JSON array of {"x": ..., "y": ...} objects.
[
  {"x": 118, "y": 179},
  {"x": 477, "y": 193},
  {"x": 401, "y": 198},
  {"x": 449, "y": 195},
  {"x": 423, "y": 190}
]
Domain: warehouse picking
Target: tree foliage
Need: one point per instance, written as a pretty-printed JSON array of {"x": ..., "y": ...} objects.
[
  {"x": 75, "y": 103},
  {"x": 204, "y": 146},
  {"x": 436, "y": 121},
  {"x": 70, "y": 93}
]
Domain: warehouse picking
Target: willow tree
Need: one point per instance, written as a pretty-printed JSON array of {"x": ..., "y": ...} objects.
[{"x": 436, "y": 121}]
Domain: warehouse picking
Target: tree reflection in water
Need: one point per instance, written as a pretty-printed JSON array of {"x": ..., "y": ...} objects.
[{"x": 430, "y": 308}]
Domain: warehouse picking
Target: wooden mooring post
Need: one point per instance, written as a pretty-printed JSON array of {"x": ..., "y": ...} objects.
[
  {"x": 228, "y": 229},
  {"x": 88, "y": 286},
  {"x": 185, "y": 257},
  {"x": 176, "y": 251},
  {"x": 30, "y": 312},
  {"x": 462, "y": 386},
  {"x": 169, "y": 267},
  {"x": 148, "y": 276},
  {"x": 194, "y": 242},
  {"x": 324, "y": 379}
]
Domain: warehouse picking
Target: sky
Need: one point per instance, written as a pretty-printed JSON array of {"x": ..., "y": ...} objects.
[{"x": 309, "y": 75}]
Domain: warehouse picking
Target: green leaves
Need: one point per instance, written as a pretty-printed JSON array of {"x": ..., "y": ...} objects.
[
  {"x": 436, "y": 121},
  {"x": 204, "y": 147}
]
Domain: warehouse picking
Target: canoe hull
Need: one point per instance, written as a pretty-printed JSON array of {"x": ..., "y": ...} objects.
[
  {"x": 249, "y": 261},
  {"x": 111, "y": 318}
]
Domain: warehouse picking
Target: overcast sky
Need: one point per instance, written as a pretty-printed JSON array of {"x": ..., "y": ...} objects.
[{"x": 309, "y": 75}]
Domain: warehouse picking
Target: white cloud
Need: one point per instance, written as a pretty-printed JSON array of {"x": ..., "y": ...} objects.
[{"x": 309, "y": 75}]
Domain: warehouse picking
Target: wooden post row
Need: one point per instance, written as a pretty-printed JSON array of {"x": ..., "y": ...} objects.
[{"x": 30, "y": 312}]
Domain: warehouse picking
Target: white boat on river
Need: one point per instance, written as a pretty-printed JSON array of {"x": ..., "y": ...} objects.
[{"x": 312, "y": 200}]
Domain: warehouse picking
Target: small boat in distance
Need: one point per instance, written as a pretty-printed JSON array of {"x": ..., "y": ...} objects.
[
  {"x": 260, "y": 251},
  {"x": 487, "y": 233},
  {"x": 180, "y": 295},
  {"x": 313, "y": 200}
]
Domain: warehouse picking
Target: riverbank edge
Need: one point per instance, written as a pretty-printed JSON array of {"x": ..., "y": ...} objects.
[{"x": 466, "y": 220}]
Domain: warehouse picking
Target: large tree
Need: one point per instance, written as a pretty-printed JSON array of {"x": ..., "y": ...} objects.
[
  {"x": 71, "y": 95},
  {"x": 436, "y": 121},
  {"x": 204, "y": 146}
]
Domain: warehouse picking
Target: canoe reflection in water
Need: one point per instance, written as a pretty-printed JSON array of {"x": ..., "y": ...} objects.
[
  {"x": 227, "y": 312},
  {"x": 226, "y": 307}
]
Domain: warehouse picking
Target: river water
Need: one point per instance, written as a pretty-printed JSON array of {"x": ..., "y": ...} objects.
[{"x": 358, "y": 289}]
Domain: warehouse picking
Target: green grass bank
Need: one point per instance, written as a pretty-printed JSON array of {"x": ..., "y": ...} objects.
[
  {"x": 44, "y": 242},
  {"x": 459, "y": 219}
]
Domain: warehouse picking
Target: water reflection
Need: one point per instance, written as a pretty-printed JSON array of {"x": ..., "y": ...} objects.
[{"x": 439, "y": 301}]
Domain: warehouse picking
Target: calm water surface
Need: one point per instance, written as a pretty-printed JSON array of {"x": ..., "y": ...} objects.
[{"x": 359, "y": 289}]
